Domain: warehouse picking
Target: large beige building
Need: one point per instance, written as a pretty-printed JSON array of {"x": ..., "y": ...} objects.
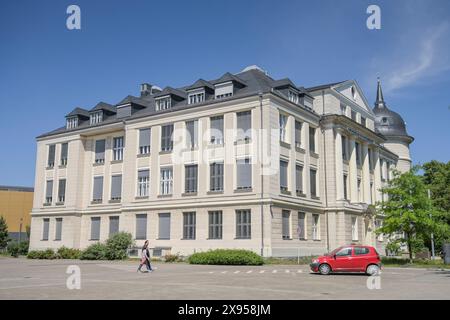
[{"x": 243, "y": 161}]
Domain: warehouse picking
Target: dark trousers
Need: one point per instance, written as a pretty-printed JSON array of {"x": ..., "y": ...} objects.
[{"x": 148, "y": 265}]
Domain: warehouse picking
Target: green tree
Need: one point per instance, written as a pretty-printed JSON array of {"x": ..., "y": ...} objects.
[
  {"x": 408, "y": 211},
  {"x": 3, "y": 233}
]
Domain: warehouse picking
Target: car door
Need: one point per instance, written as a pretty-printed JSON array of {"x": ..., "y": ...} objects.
[
  {"x": 343, "y": 260},
  {"x": 361, "y": 257}
]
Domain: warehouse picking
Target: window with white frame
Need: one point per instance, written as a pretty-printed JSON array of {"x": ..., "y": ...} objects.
[
  {"x": 217, "y": 130},
  {"x": 188, "y": 225},
  {"x": 96, "y": 117},
  {"x": 243, "y": 224},
  {"x": 343, "y": 109},
  {"x": 224, "y": 90},
  {"x": 61, "y": 190},
  {"x": 116, "y": 187},
  {"x": 344, "y": 148},
  {"x": 293, "y": 96},
  {"x": 298, "y": 134},
  {"x": 243, "y": 174},
  {"x": 58, "y": 229},
  {"x": 118, "y": 148},
  {"x": 97, "y": 190},
  {"x": 143, "y": 183},
  {"x": 301, "y": 226},
  {"x": 299, "y": 179},
  {"x": 72, "y": 122},
  {"x": 283, "y": 125},
  {"x": 216, "y": 176},
  {"x": 196, "y": 97},
  {"x": 286, "y": 224},
  {"x": 383, "y": 176},
  {"x": 166, "y": 137},
  {"x": 166, "y": 183},
  {"x": 315, "y": 227},
  {"x": 345, "y": 187},
  {"x": 191, "y": 177},
  {"x": 163, "y": 103},
  {"x": 244, "y": 125},
  {"x": 64, "y": 151},
  {"x": 45, "y": 228},
  {"x": 49, "y": 192},
  {"x": 312, "y": 139},
  {"x": 192, "y": 134},
  {"x": 100, "y": 151},
  {"x": 283, "y": 175},
  {"x": 313, "y": 182},
  {"x": 354, "y": 229},
  {"x": 51, "y": 156},
  {"x": 358, "y": 153},
  {"x": 359, "y": 190},
  {"x": 144, "y": 141},
  {"x": 215, "y": 225}
]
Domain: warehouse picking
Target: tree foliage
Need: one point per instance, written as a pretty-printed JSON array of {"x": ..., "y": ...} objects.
[
  {"x": 3, "y": 233},
  {"x": 409, "y": 212}
]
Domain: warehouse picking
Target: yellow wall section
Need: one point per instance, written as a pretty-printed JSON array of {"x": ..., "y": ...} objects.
[{"x": 15, "y": 205}]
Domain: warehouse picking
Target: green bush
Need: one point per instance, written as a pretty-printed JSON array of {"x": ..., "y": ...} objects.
[
  {"x": 96, "y": 251},
  {"x": 226, "y": 257},
  {"x": 13, "y": 249},
  {"x": 68, "y": 253},
  {"x": 23, "y": 248},
  {"x": 117, "y": 245},
  {"x": 172, "y": 258},
  {"x": 42, "y": 254}
]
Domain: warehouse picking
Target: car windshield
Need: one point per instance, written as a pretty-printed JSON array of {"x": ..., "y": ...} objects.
[{"x": 334, "y": 251}]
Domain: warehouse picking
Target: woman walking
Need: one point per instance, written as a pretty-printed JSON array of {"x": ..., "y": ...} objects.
[{"x": 145, "y": 258}]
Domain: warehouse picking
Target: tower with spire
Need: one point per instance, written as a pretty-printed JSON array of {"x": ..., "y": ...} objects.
[{"x": 391, "y": 125}]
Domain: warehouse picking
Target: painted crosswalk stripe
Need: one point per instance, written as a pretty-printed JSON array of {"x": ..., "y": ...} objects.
[
  {"x": 224, "y": 271},
  {"x": 274, "y": 271},
  {"x": 287, "y": 271},
  {"x": 237, "y": 271},
  {"x": 262, "y": 271},
  {"x": 249, "y": 271},
  {"x": 299, "y": 271},
  {"x": 211, "y": 272}
]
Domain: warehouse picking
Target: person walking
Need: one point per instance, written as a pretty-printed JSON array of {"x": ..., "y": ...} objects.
[{"x": 145, "y": 258}]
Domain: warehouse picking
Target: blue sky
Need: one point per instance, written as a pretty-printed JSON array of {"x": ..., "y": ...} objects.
[{"x": 46, "y": 70}]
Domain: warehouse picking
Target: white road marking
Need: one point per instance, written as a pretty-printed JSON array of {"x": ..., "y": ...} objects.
[
  {"x": 237, "y": 271},
  {"x": 224, "y": 271},
  {"x": 249, "y": 271},
  {"x": 262, "y": 271},
  {"x": 299, "y": 271},
  {"x": 287, "y": 271},
  {"x": 274, "y": 271}
]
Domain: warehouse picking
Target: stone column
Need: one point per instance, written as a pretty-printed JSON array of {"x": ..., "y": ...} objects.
[
  {"x": 306, "y": 178},
  {"x": 353, "y": 173},
  {"x": 339, "y": 167},
  {"x": 377, "y": 175},
  {"x": 365, "y": 173}
]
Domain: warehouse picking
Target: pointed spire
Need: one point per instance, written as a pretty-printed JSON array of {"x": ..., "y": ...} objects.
[{"x": 379, "y": 103}]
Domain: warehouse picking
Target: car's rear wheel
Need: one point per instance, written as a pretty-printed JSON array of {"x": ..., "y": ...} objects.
[
  {"x": 373, "y": 270},
  {"x": 324, "y": 269}
]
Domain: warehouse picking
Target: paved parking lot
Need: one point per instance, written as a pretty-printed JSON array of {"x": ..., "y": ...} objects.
[{"x": 45, "y": 279}]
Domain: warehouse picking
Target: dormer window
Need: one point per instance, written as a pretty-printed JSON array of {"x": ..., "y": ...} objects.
[
  {"x": 163, "y": 103},
  {"x": 293, "y": 96},
  {"x": 196, "y": 97},
  {"x": 224, "y": 90},
  {"x": 72, "y": 123},
  {"x": 96, "y": 117}
]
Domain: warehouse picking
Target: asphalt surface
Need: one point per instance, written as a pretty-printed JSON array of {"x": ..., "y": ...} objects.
[{"x": 47, "y": 279}]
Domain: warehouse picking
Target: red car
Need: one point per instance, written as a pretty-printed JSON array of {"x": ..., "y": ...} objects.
[{"x": 351, "y": 258}]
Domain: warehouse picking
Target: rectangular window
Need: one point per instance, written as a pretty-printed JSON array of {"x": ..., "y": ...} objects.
[
  {"x": 298, "y": 134},
  {"x": 141, "y": 226},
  {"x": 96, "y": 117},
  {"x": 363, "y": 121},
  {"x": 216, "y": 176},
  {"x": 144, "y": 141},
  {"x": 283, "y": 124},
  {"x": 299, "y": 179},
  {"x": 192, "y": 134},
  {"x": 45, "y": 228},
  {"x": 315, "y": 227},
  {"x": 196, "y": 97},
  {"x": 217, "y": 130},
  {"x": 370, "y": 155},
  {"x": 100, "y": 151},
  {"x": 343, "y": 109},
  {"x": 383, "y": 177},
  {"x": 58, "y": 229},
  {"x": 62, "y": 190},
  {"x": 313, "y": 181},
  {"x": 244, "y": 125},
  {"x": 358, "y": 153},
  {"x": 344, "y": 147},
  {"x": 388, "y": 171},
  {"x": 286, "y": 224},
  {"x": 116, "y": 187},
  {"x": 97, "y": 195},
  {"x": 191, "y": 177},
  {"x": 243, "y": 224},
  {"x": 371, "y": 192},
  {"x": 244, "y": 174},
  {"x": 353, "y": 115},
  {"x": 166, "y": 183},
  {"x": 301, "y": 227},
  {"x": 354, "y": 229},
  {"x": 166, "y": 137},
  {"x": 163, "y": 103},
  {"x": 359, "y": 189},
  {"x": 283, "y": 175},
  {"x": 95, "y": 228},
  {"x": 51, "y": 156},
  {"x": 293, "y": 96},
  {"x": 72, "y": 123},
  {"x": 143, "y": 183},
  {"x": 164, "y": 226},
  {"x": 189, "y": 225},
  {"x": 345, "y": 187},
  {"x": 312, "y": 139},
  {"x": 118, "y": 149},
  {"x": 49, "y": 192},
  {"x": 215, "y": 225},
  {"x": 113, "y": 225},
  {"x": 224, "y": 90},
  {"x": 64, "y": 152}
]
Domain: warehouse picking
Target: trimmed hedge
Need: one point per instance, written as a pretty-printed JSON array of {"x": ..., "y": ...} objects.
[
  {"x": 226, "y": 257},
  {"x": 42, "y": 254},
  {"x": 68, "y": 253},
  {"x": 96, "y": 251}
]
